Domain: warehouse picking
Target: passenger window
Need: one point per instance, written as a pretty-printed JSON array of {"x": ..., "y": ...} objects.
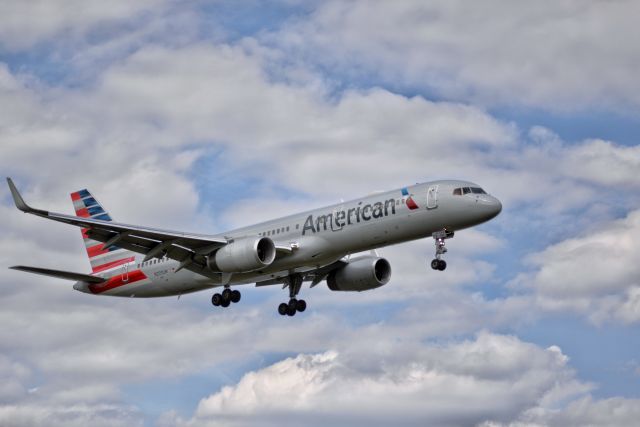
[
  {"x": 457, "y": 192},
  {"x": 466, "y": 190},
  {"x": 287, "y": 228},
  {"x": 297, "y": 226}
]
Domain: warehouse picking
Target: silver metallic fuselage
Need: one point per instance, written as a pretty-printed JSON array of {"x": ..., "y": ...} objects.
[{"x": 322, "y": 236}]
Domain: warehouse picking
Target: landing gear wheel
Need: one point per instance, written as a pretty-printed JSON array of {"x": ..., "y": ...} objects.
[
  {"x": 235, "y": 296},
  {"x": 225, "y": 302},
  {"x": 283, "y": 308},
  {"x": 442, "y": 265},
  {"x": 435, "y": 264},
  {"x": 216, "y": 299},
  {"x": 226, "y": 294},
  {"x": 294, "y": 282}
]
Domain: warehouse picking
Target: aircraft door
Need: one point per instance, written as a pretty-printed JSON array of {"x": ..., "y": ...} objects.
[
  {"x": 125, "y": 273},
  {"x": 432, "y": 197}
]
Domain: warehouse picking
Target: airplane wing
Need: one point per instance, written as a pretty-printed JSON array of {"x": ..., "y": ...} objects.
[
  {"x": 187, "y": 248},
  {"x": 314, "y": 276}
]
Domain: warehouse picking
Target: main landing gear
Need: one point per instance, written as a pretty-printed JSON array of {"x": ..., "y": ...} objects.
[
  {"x": 294, "y": 282},
  {"x": 227, "y": 297},
  {"x": 440, "y": 236}
]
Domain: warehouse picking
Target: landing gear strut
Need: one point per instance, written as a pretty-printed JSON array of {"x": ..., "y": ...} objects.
[
  {"x": 227, "y": 297},
  {"x": 440, "y": 236},
  {"x": 294, "y": 282}
]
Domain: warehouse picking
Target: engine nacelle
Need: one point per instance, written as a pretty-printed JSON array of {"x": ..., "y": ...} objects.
[
  {"x": 361, "y": 274},
  {"x": 242, "y": 255}
]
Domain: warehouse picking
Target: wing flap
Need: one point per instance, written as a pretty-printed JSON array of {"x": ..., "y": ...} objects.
[{"x": 68, "y": 275}]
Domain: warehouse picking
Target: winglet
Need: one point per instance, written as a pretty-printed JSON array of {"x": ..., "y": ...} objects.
[{"x": 19, "y": 201}]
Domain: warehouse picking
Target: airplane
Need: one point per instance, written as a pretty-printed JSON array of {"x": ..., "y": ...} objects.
[{"x": 327, "y": 244}]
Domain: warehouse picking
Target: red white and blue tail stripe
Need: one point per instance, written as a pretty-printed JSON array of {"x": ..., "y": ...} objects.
[{"x": 101, "y": 259}]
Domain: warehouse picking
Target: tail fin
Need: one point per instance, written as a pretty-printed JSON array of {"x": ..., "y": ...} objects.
[{"x": 101, "y": 259}]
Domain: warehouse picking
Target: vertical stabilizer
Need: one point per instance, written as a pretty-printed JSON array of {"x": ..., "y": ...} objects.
[{"x": 101, "y": 259}]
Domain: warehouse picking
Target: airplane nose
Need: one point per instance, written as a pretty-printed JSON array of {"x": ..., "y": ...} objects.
[
  {"x": 497, "y": 206},
  {"x": 490, "y": 206}
]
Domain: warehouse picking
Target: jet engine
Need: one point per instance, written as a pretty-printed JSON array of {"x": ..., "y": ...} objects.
[
  {"x": 361, "y": 274},
  {"x": 242, "y": 255}
]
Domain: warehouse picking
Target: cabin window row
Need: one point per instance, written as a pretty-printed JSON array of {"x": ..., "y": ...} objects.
[
  {"x": 274, "y": 231},
  {"x": 153, "y": 261}
]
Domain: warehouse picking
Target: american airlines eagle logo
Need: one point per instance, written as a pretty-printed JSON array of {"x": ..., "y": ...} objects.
[{"x": 411, "y": 204}]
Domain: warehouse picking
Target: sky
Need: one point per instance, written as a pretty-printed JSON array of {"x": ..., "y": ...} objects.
[{"x": 205, "y": 116}]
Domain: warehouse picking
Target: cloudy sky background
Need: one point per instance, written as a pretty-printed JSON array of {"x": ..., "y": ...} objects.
[{"x": 203, "y": 116}]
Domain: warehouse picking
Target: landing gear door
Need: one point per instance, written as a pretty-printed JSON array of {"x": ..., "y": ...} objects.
[{"x": 432, "y": 197}]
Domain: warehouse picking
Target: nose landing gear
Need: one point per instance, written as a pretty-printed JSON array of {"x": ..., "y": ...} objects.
[
  {"x": 294, "y": 282},
  {"x": 440, "y": 236}
]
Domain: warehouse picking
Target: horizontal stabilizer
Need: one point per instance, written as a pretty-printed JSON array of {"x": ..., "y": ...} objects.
[{"x": 60, "y": 274}]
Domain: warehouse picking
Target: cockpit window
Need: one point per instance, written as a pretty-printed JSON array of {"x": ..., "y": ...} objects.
[{"x": 468, "y": 190}]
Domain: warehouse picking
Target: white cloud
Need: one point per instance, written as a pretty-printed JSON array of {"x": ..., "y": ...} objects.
[
  {"x": 497, "y": 377},
  {"x": 596, "y": 274},
  {"x": 291, "y": 134},
  {"x": 616, "y": 411},
  {"x": 13, "y": 375},
  {"x": 560, "y": 55},
  {"x": 26, "y": 23},
  {"x": 605, "y": 163},
  {"x": 70, "y": 415}
]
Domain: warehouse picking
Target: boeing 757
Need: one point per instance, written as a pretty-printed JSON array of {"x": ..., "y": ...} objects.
[{"x": 325, "y": 244}]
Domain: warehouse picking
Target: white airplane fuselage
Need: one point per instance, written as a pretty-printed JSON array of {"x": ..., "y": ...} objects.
[{"x": 316, "y": 238}]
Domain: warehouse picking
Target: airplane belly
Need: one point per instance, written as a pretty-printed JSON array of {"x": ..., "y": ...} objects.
[{"x": 149, "y": 284}]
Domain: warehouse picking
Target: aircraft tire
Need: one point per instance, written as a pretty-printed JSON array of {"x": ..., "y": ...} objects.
[
  {"x": 301, "y": 305},
  {"x": 291, "y": 311},
  {"x": 435, "y": 264},
  {"x": 226, "y": 294},
  {"x": 216, "y": 299},
  {"x": 225, "y": 302},
  {"x": 235, "y": 296},
  {"x": 283, "y": 308},
  {"x": 442, "y": 265},
  {"x": 293, "y": 303}
]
